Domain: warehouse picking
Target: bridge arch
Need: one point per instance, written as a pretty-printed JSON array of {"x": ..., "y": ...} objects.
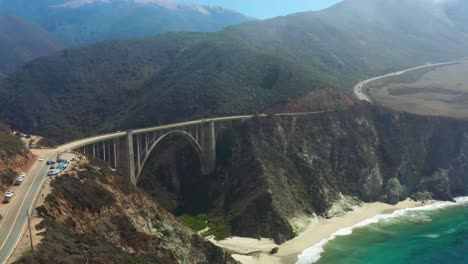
[{"x": 196, "y": 146}]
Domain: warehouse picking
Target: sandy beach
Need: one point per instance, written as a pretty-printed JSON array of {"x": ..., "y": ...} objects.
[{"x": 254, "y": 251}]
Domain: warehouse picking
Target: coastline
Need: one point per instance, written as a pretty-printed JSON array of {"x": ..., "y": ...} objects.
[{"x": 255, "y": 251}]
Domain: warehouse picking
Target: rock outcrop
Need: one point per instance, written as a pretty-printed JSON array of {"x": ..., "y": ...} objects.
[
  {"x": 273, "y": 171},
  {"x": 93, "y": 215}
]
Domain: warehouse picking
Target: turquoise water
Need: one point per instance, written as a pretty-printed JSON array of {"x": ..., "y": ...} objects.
[{"x": 434, "y": 234}]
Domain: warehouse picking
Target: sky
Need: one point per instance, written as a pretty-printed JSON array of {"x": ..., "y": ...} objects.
[{"x": 269, "y": 8}]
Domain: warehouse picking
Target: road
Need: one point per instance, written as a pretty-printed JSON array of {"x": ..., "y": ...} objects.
[
  {"x": 359, "y": 88},
  {"x": 14, "y": 222}
]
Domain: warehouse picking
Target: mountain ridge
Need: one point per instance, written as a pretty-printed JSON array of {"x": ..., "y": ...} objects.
[{"x": 83, "y": 22}]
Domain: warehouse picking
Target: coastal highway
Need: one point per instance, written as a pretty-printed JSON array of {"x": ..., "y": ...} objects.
[
  {"x": 14, "y": 222},
  {"x": 359, "y": 88}
]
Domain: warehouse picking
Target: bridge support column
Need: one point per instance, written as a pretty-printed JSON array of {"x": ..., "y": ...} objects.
[
  {"x": 138, "y": 138},
  {"x": 125, "y": 156},
  {"x": 115, "y": 153},
  {"x": 104, "y": 150},
  {"x": 209, "y": 148}
]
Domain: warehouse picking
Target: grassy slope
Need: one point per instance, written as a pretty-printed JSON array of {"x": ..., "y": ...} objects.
[{"x": 21, "y": 42}]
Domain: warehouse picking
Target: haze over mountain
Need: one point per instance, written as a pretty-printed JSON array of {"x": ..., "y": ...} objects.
[
  {"x": 243, "y": 69},
  {"x": 358, "y": 38},
  {"x": 87, "y": 21},
  {"x": 21, "y": 41}
]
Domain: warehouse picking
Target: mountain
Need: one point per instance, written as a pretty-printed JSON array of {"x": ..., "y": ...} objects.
[
  {"x": 142, "y": 82},
  {"x": 358, "y": 38},
  {"x": 243, "y": 69},
  {"x": 21, "y": 41},
  {"x": 80, "y": 22}
]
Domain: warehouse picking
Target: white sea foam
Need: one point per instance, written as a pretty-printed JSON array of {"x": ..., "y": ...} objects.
[
  {"x": 313, "y": 254},
  {"x": 432, "y": 235}
]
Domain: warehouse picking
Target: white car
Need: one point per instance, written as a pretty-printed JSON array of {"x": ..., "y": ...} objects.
[
  {"x": 23, "y": 174},
  {"x": 9, "y": 194},
  {"x": 41, "y": 159}
]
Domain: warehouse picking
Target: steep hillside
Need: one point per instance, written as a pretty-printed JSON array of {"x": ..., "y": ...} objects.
[
  {"x": 80, "y": 22},
  {"x": 94, "y": 216},
  {"x": 276, "y": 173},
  {"x": 21, "y": 42},
  {"x": 127, "y": 84}
]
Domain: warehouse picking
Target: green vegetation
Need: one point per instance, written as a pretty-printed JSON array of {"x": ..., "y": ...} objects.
[
  {"x": 219, "y": 231},
  {"x": 219, "y": 227},
  {"x": 11, "y": 146},
  {"x": 197, "y": 223},
  {"x": 7, "y": 177}
]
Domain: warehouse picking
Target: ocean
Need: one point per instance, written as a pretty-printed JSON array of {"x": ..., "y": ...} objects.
[{"x": 435, "y": 233}]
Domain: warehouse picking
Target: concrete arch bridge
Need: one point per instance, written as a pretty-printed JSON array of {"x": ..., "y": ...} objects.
[{"x": 128, "y": 151}]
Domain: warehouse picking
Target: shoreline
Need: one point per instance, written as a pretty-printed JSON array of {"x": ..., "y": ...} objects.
[{"x": 255, "y": 251}]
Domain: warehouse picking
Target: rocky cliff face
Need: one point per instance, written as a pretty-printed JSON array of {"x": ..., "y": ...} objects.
[
  {"x": 93, "y": 215},
  {"x": 273, "y": 173}
]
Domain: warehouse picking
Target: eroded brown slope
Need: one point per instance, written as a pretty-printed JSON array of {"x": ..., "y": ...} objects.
[{"x": 94, "y": 216}]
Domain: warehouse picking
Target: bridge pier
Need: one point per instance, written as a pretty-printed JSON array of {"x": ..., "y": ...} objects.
[
  {"x": 125, "y": 157},
  {"x": 209, "y": 148}
]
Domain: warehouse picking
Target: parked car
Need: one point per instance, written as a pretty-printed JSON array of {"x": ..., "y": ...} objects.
[
  {"x": 41, "y": 159},
  {"x": 8, "y": 196},
  {"x": 6, "y": 199},
  {"x": 23, "y": 174},
  {"x": 19, "y": 181},
  {"x": 50, "y": 162},
  {"x": 52, "y": 167}
]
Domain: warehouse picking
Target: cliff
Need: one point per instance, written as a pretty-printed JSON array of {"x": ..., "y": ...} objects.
[
  {"x": 14, "y": 158},
  {"x": 275, "y": 173},
  {"x": 93, "y": 215}
]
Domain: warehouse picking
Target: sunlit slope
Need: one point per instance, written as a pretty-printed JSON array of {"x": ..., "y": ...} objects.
[{"x": 359, "y": 38}]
